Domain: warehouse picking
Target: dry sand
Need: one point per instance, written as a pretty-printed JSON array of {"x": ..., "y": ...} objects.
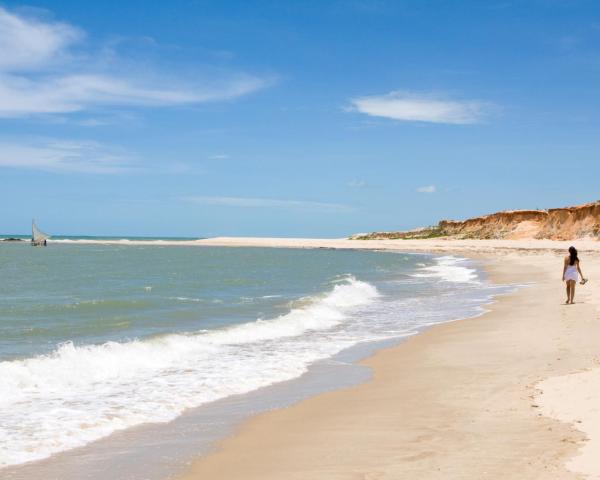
[
  {"x": 460, "y": 401},
  {"x": 573, "y": 398},
  {"x": 433, "y": 245}
]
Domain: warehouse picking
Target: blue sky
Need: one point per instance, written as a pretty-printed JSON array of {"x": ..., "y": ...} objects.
[{"x": 313, "y": 118}]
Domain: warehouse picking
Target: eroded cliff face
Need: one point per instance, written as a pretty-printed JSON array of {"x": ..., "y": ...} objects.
[{"x": 569, "y": 223}]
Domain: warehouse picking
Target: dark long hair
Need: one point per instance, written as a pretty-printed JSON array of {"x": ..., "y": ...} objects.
[{"x": 573, "y": 255}]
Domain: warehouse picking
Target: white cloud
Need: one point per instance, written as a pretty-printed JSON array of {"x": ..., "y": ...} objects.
[
  {"x": 415, "y": 107},
  {"x": 357, "y": 183},
  {"x": 219, "y": 156},
  {"x": 71, "y": 93},
  {"x": 253, "y": 202},
  {"x": 39, "y": 76},
  {"x": 28, "y": 42},
  {"x": 64, "y": 156},
  {"x": 427, "y": 189}
]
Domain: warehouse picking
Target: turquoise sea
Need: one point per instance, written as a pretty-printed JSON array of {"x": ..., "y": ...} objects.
[{"x": 96, "y": 339}]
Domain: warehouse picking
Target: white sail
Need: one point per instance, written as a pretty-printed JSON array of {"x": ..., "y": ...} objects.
[{"x": 37, "y": 236}]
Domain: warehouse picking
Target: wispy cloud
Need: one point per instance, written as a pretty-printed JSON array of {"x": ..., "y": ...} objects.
[
  {"x": 427, "y": 189},
  {"x": 65, "y": 156},
  {"x": 219, "y": 156},
  {"x": 21, "y": 96},
  {"x": 40, "y": 75},
  {"x": 418, "y": 107},
  {"x": 253, "y": 202},
  {"x": 30, "y": 43},
  {"x": 357, "y": 183}
]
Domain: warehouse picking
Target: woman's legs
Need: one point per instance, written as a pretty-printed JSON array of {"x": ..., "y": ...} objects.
[
  {"x": 571, "y": 285},
  {"x": 568, "y": 286}
]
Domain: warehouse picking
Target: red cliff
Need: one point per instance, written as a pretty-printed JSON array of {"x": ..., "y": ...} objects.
[{"x": 569, "y": 223}]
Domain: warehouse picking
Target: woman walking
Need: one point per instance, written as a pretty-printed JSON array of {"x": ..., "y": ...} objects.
[{"x": 571, "y": 273}]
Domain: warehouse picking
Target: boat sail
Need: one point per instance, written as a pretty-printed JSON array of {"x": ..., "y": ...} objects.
[{"x": 38, "y": 238}]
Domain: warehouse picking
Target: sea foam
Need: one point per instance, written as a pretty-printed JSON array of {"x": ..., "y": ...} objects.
[
  {"x": 80, "y": 393},
  {"x": 449, "y": 269}
]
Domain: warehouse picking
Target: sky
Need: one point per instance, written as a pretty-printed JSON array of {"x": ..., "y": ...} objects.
[{"x": 293, "y": 118}]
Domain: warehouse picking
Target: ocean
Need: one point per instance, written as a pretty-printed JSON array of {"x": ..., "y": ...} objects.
[{"x": 97, "y": 339}]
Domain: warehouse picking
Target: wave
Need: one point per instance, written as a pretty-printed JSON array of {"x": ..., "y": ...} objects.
[
  {"x": 326, "y": 313},
  {"x": 78, "y": 394},
  {"x": 449, "y": 269},
  {"x": 188, "y": 299}
]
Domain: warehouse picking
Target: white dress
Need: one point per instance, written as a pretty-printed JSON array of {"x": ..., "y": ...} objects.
[{"x": 571, "y": 273}]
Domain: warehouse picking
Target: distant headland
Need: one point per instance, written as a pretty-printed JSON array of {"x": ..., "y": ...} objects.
[{"x": 568, "y": 223}]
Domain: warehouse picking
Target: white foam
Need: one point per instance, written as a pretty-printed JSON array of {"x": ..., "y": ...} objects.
[
  {"x": 187, "y": 299},
  {"x": 78, "y": 394},
  {"x": 449, "y": 269}
]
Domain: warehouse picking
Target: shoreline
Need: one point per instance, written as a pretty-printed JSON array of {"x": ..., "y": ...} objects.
[
  {"x": 447, "y": 427},
  {"x": 456, "y": 401},
  {"x": 325, "y": 375},
  {"x": 196, "y": 430}
]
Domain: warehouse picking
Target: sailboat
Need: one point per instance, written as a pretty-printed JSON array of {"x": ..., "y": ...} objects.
[{"x": 38, "y": 238}]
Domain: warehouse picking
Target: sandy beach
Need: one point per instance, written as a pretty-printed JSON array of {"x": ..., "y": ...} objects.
[
  {"x": 512, "y": 390},
  {"x": 479, "y": 398},
  {"x": 434, "y": 245}
]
